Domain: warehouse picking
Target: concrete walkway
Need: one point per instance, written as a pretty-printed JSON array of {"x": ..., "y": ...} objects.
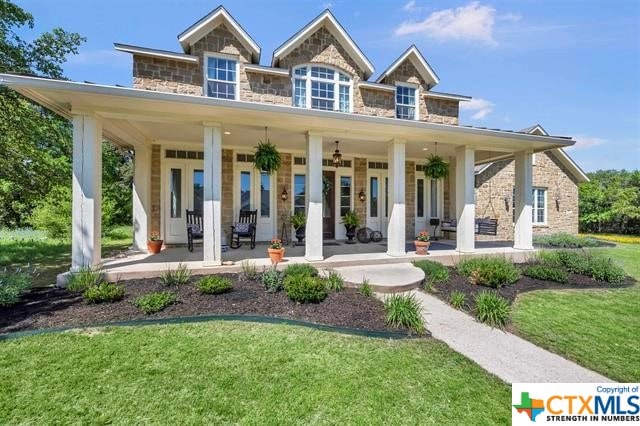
[
  {"x": 391, "y": 278},
  {"x": 509, "y": 357}
]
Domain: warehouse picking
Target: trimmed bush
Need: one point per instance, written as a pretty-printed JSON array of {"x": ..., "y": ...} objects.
[
  {"x": 546, "y": 273},
  {"x": 404, "y": 311},
  {"x": 12, "y": 285},
  {"x": 86, "y": 277},
  {"x": 305, "y": 289},
  {"x": 249, "y": 270},
  {"x": 175, "y": 277},
  {"x": 155, "y": 302},
  {"x": 564, "y": 240},
  {"x": 365, "y": 288},
  {"x": 492, "y": 309},
  {"x": 489, "y": 271},
  {"x": 435, "y": 272},
  {"x": 214, "y": 285},
  {"x": 273, "y": 280},
  {"x": 604, "y": 269},
  {"x": 333, "y": 281},
  {"x": 303, "y": 269},
  {"x": 457, "y": 299},
  {"x": 104, "y": 293},
  {"x": 580, "y": 262}
]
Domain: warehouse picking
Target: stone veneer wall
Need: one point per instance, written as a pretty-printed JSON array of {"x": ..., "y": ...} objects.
[
  {"x": 156, "y": 157},
  {"x": 497, "y": 182},
  {"x": 410, "y": 200},
  {"x": 166, "y": 75},
  {"x": 284, "y": 181},
  {"x": 360, "y": 184},
  {"x": 441, "y": 111},
  {"x": 227, "y": 194}
]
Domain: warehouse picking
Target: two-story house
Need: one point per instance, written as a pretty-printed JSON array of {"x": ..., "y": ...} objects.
[{"x": 347, "y": 141}]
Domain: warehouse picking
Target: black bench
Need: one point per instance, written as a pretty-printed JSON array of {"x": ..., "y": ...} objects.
[
  {"x": 194, "y": 227},
  {"x": 484, "y": 226},
  {"x": 245, "y": 228}
]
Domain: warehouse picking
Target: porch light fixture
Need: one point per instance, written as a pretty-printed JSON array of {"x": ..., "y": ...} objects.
[
  {"x": 337, "y": 157},
  {"x": 284, "y": 194},
  {"x": 362, "y": 196}
]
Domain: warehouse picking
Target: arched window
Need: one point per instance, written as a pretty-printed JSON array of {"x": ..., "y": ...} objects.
[{"x": 322, "y": 87}]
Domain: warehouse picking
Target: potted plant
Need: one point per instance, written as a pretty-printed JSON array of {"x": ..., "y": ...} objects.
[
  {"x": 276, "y": 251},
  {"x": 436, "y": 167},
  {"x": 422, "y": 243},
  {"x": 351, "y": 222},
  {"x": 298, "y": 221},
  {"x": 154, "y": 244},
  {"x": 266, "y": 157}
]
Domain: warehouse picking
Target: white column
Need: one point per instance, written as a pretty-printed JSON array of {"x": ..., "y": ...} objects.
[
  {"x": 465, "y": 202},
  {"x": 87, "y": 191},
  {"x": 313, "y": 230},
  {"x": 141, "y": 197},
  {"x": 212, "y": 211},
  {"x": 396, "y": 227},
  {"x": 523, "y": 232}
]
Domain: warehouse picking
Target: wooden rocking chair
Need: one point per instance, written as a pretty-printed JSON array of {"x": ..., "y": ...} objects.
[
  {"x": 245, "y": 228},
  {"x": 194, "y": 228}
]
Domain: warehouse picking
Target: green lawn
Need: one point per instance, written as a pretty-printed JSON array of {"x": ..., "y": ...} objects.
[
  {"x": 597, "y": 328},
  {"x": 234, "y": 372},
  {"x": 50, "y": 256}
]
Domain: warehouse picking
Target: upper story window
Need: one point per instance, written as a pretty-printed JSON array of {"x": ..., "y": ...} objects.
[
  {"x": 406, "y": 106},
  {"x": 323, "y": 88},
  {"x": 221, "y": 77}
]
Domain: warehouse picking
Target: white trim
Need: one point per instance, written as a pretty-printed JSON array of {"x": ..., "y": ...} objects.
[
  {"x": 448, "y": 96},
  {"x": 314, "y": 25},
  {"x": 205, "y": 74},
  {"x": 208, "y": 23},
  {"x": 376, "y": 86},
  {"x": 266, "y": 70},
  {"x": 155, "y": 53},
  {"x": 308, "y": 79},
  {"x": 571, "y": 165},
  {"x": 427, "y": 72},
  {"x": 413, "y": 86}
]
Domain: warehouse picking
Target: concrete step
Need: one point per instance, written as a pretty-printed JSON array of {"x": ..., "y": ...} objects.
[{"x": 389, "y": 278}]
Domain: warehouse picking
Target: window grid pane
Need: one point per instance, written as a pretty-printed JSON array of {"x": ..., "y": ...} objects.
[
  {"x": 344, "y": 98},
  {"x": 176, "y": 193},
  {"x": 373, "y": 197},
  {"x": 434, "y": 198},
  {"x": 265, "y": 195},
  {"x": 300, "y": 93},
  {"x": 299, "y": 193},
  {"x": 420, "y": 198},
  {"x": 221, "y": 78},
  {"x": 198, "y": 190},
  {"x": 217, "y": 89},
  {"x": 322, "y": 72},
  {"x": 345, "y": 195},
  {"x": 245, "y": 190},
  {"x": 405, "y": 103}
]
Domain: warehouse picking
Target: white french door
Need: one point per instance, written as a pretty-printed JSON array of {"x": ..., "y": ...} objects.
[
  {"x": 184, "y": 189},
  {"x": 255, "y": 190},
  {"x": 429, "y": 199},
  {"x": 377, "y": 204}
]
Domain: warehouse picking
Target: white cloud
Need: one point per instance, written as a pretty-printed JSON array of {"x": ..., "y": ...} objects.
[
  {"x": 409, "y": 7},
  {"x": 480, "y": 108},
  {"x": 473, "y": 22},
  {"x": 585, "y": 142}
]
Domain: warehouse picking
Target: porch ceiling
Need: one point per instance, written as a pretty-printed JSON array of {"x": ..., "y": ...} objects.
[{"x": 135, "y": 117}]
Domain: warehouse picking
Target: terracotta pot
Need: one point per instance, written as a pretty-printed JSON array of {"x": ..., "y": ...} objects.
[
  {"x": 276, "y": 255},
  {"x": 154, "y": 246},
  {"x": 422, "y": 247}
]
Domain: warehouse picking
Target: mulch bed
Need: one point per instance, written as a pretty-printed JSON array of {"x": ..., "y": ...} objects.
[
  {"x": 52, "y": 307},
  {"x": 460, "y": 283}
]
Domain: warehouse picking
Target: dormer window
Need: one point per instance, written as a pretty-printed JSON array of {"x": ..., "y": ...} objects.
[
  {"x": 406, "y": 107},
  {"x": 221, "y": 77},
  {"x": 320, "y": 87}
]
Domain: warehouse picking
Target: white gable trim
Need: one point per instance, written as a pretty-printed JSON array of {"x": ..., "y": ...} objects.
[
  {"x": 421, "y": 64},
  {"x": 266, "y": 70},
  {"x": 155, "y": 53},
  {"x": 325, "y": 18},
  {"x": 211, "y": 21},
  {"x": 571, "y": 165}
]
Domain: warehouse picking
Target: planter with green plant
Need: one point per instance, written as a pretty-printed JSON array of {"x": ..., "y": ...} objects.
[
  {"x": 350, "y": 221},
  {"x": 276, "y": 251},
  {"x": 266, "y": 157},
  {"x": 298, "y": 221},
  {"x": 154, "y": 245},
  {"x": 436, "y": 167},
  {"x": 422, "y": 243}
]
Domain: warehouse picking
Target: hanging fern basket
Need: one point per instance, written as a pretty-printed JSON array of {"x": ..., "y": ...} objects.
[
  {"x": 266, "y": 157},
  {"x": 436, "y": 167}
]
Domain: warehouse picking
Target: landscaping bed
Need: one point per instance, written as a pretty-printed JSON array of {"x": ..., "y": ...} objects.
[{"x": 52, "y": 307}]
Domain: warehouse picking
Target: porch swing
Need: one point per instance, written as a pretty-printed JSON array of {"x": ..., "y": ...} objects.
[{"x": 484, "y": 225}]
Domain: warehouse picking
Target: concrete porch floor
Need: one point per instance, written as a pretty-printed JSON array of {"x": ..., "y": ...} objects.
[{"x": 133, "y": 265}]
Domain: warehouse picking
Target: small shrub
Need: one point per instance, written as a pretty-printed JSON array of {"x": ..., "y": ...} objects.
[
  {"x": 249, "y": 270},
  {"x": 404, "y": 311},
  {"x": 305, "y": 289},
  {"x": 12, "y": 285},
  {"x": 457, "y": 299},
  {"x": 104, "y": 292},
  {"x": 579, "y": 262},
  {"x": 175, "y": 277},
  {"x": 492, "y": 309},
  {"x": 273, "y": 280},
  {"x": 334, "y": 281},
  {"x": 564, "y": 240},
  {"x": 604, "y": 269},
  {"x": 214, "y": 285},
  {"x": 365, "y": 288},
  {"x": 84, "y": 278},
  {"x": 547, "y": 273},
  {"x": 303, "y": 269},
  {"x": 435, "y": 272},
  {"x": 155, "y": 302},
  {"x": 489, "y": 271}
]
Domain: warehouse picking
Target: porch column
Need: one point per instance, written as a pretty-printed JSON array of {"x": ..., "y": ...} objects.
[
  {"x": 465, "y": 203},
  {"x": 87, "y": 191},
  {"x": 523, "y": 232},
  {"x": 313, "y": 230},
  {"x": 212, "y": 210},
  {"x": 141, "y": 197},
  {"x": 396, "y": 228}
]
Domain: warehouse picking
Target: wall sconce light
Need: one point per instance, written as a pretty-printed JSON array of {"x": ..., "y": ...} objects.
[
  {"x": 284, "y": 194},
  {"x": 557, "y": 200},
  {"x": 362, "y": 196},
  {"x": 507, "y": 202}
]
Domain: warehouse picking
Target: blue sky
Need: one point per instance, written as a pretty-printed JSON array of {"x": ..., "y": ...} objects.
[{"x": 572, "y": 66}]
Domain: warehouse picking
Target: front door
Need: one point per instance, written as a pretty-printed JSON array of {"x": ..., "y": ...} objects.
[
  {"x": 428, "y": 203},
  {"x": 328, "y": 204},
  {"x": 184, "y": 190},
  {"x": 377, "y": 205},
  {"x": 255, "y": 191}
]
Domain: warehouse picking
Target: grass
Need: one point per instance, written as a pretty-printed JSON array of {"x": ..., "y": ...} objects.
[
  {"x": 19, "y": 248},
  {"x": 596, "y": 328},
  {"x": 240, "y": 373}
]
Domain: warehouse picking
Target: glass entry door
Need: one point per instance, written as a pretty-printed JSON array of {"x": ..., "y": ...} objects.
[
  {"x": 254, "y": 190},
  {"x": 377, "y": 204},
  {"x": 184, "y": 189},
  {"x": 428, "y": 202}
]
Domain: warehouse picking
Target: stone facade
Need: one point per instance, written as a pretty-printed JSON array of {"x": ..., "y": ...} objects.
[
  {"x": 360, "y": 184},
  {"x": 284, "y": 181},
  {"x": 495, "y": 185},
  {"x": 156, "y": 208},
  {"x": 441, "y": 111},
  {"x": 410, "y": 200},
  {"x": 166, "y": 75},
  {"x": 227, "y": 218}
]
